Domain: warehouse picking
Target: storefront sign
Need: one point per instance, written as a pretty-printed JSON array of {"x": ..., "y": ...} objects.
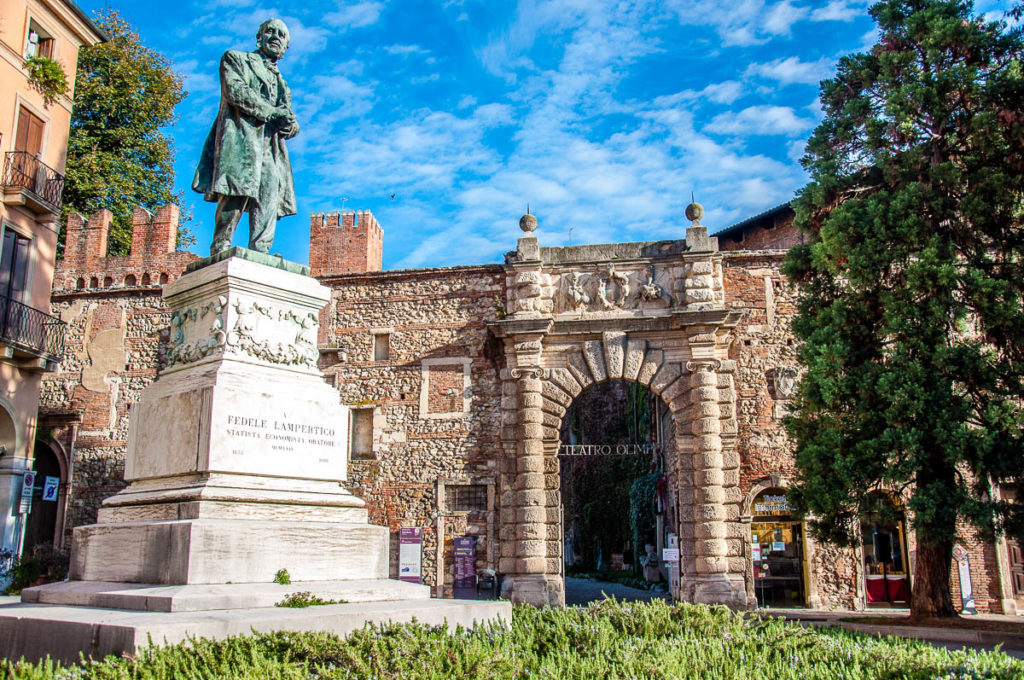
[
  {"x": 963, "y": 562},
  {"x": 465, "y": 568},
  {"x": 772, "y": 504},
  {"x": 28, "y": 481},
  {"x": 50, "y": 487},
  {"x": 410, "y": 549}
]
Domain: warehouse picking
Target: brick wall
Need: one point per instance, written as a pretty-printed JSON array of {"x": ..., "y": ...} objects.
[
  {"x": 345, "y": 243},
  {"x": 772, "y": 231},
  {"x": 152, "y": 260}
]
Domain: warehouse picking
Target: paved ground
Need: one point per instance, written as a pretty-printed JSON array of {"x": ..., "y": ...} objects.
[
  {"x": 582, "y": 591},
  {"x": 950, "y": 638}
]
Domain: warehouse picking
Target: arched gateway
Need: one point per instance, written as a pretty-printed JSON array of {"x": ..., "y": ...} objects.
[{"x": 653, "y": 313}]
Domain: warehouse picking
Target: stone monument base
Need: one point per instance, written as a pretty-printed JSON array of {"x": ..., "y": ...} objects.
[
  {"x": 236, "y": 458},
  {"x": 62, "y": 631}
]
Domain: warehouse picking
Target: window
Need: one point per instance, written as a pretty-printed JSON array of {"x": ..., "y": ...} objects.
[
  {"x": 14, "y": 266},
  {"x": 381, "y": 346},
  {"x": 39, "y": 43},
  {"x": 361, "y": 434},
  {"x": 29, "y": 136},
  {"x": 466, "y": 497}
]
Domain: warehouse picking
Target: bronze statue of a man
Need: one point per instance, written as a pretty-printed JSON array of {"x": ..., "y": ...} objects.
[{"x": 244, "y": 166}]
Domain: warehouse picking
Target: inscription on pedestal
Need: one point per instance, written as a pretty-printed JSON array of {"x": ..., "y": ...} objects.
[
  {"x": 303, "y": 440},
  {"x": 281, "y": 435}
]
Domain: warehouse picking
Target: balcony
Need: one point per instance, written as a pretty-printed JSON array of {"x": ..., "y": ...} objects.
[
  {"x": 30, "y": 183},
  {"x": 33, "y": 339}
]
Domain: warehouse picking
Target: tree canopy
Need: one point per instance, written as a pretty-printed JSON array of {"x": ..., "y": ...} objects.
[
  {"x": 911, "y": 286},
  {"x": 118, "y": 157}
]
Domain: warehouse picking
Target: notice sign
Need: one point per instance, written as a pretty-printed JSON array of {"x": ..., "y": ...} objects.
[
  {"x": 50, "y": 487},
  {"x": 755, "y": 551},
  {"x": 28, "y": 482},
  {"x": 465, "y": 568},
  {"x": 670, "y": 554},
  {"x": 963, "y": 563},
  {"x": 410, "y": 551}
]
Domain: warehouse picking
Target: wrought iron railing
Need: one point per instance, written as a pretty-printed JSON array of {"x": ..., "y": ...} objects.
[
  {"x": 25, "y": 171},
  {"x": 31, "y": 330}
]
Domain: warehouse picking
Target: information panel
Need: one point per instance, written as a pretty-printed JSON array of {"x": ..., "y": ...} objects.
[
  {"x": 465, "y": 568},
  {"x": 410, "y": 553}
]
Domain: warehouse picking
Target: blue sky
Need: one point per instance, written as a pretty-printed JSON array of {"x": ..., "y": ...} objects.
[{"x": 602, "y": 115}]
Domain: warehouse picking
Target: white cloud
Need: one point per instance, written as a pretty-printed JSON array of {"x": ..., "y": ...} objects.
[
  {"x": 405, "y": 50},
  {"x": 838, "y": 10},
  {"x": 791, "y": 70},
  {"x": 779, "y": 19},
  {"x": 760, "y": 120},
  {"x": 719, "y": 93},
  {"x": 354, "y": 15},
  {"x": 741, "y": 22}
]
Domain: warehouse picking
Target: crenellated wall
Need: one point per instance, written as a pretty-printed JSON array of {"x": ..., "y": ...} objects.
[{"x": 463, "y": 374}]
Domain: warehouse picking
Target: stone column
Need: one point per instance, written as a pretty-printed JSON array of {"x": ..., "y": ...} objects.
[
  {"x": 713, "y": 580},
  {"x": 532, "y": 583}
]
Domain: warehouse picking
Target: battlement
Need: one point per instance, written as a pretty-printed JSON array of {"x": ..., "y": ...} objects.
[
  {"x": 152, "y": 260},
  {"x": 345, "y": 242}
]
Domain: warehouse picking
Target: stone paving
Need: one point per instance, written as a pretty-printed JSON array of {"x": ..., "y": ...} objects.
[{"x": 579, "y": 591}]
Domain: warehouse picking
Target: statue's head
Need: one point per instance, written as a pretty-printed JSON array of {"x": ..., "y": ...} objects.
[{"x": 273, "y": 38}]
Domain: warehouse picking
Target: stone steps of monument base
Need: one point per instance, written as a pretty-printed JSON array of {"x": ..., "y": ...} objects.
[
  {"x": 34, "y": 631},
  {"x": 202, "y": 597}
]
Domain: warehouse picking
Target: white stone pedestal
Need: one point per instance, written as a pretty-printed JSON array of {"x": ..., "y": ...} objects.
[{"x": 236, "y": 455}]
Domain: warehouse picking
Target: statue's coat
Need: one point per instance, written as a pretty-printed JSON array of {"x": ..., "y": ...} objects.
[{"x": 232, "y": 159}]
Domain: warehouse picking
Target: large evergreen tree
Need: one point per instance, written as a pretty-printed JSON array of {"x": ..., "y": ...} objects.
[
  {"x": 118, "y": 158},
  {"x": 911, "y": 286}
]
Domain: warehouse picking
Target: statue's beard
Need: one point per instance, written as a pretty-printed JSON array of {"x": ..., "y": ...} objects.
[{"x": 272, "y": 52}]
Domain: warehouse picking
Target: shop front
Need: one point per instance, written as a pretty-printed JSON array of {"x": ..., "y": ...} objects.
[
  {"x": 777, "y": 550},
  {"x": 886, "y": 579}
]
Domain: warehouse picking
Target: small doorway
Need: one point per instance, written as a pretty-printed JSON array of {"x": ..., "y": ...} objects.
[
  {"x": 41, "y": 525},
  {"x": 886, "y": 580},
  {"x": 777, "y": 545},
  {"x": 1015, "y": 554}
]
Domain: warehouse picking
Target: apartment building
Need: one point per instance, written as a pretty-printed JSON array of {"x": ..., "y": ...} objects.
[{"x": 33, "y": 150}]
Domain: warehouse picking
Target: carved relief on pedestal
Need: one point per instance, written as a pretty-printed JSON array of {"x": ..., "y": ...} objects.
[
  {"x": 197, "y": 332},
  {"x": 275, "y": 335}
]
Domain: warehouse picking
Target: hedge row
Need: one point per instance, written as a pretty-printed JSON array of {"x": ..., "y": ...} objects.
[{"x": 607, "y": 640}]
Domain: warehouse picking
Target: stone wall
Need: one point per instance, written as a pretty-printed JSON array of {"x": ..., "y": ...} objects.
[{"x": 437, "y": 398}]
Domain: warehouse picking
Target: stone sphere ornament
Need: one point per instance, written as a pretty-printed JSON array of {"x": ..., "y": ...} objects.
[
  {"x": 528, "y": 223},
  {"x": 694, "y": 212}
]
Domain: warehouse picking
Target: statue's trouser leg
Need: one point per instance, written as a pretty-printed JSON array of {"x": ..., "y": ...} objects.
[
  {"x": 229, "y": 211},
  {"x": 263, "y": 216}
]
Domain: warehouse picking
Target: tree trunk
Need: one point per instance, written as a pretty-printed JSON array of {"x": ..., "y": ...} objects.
[{"x": 930, "y": 597}]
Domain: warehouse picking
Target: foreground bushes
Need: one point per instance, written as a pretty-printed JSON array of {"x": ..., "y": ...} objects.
[{"x": 606, "y": 640}]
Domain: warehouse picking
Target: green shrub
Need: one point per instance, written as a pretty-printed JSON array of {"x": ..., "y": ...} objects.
[
  {"x": 283, "y": 577},
  {"x": 47, "y": 77},
  {"x": 608, "y": 639},
  {"x": 304, "y": 598}
]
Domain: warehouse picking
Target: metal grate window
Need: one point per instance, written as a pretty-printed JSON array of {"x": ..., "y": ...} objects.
[{"x": 467, "y": 497}]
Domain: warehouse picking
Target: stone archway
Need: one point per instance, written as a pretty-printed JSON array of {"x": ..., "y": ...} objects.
[{"x": 619, "y": 320}]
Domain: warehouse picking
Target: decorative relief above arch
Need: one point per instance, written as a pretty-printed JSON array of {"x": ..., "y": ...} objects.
[{"x": 609, "y": 289}]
